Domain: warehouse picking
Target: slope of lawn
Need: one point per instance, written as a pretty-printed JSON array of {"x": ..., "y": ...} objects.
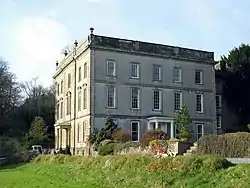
[{"x": 125, "y": 171}]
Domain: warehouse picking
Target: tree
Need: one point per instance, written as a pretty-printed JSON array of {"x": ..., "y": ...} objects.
[
  {"x": 9, "y": 96},
  {"x": 38, "y": 131},
  {"x": 236, "y": 66},
  {"x": 182, "y": 122},
  {"x": 104, "y": 133}
]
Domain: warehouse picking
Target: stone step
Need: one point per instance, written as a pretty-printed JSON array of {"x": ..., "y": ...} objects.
[
  {"x": 189, "y": 151},
  {"x": 195, "y": 144},
  {"x": 187, "y": 154},
  {"x": 194, "y": 148}
]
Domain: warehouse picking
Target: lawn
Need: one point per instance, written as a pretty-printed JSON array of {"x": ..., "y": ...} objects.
[{"x": 125, "y": 171}]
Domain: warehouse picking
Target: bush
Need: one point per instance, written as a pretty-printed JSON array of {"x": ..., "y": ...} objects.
[
  {"x": 150, "y": 135},
  {"x": 226, "y": 145},
  {"x": 108, "y": 149},
  {"x": 121, "y": 136}
]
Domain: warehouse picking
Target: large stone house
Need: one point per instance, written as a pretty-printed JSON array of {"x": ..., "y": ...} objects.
[{"x": 140, "y": 85}]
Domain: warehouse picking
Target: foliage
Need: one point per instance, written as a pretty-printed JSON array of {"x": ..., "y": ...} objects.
[
  {"x": 121, "y": 136},
  {"x": 37, "y": 133},
  {"x": 123, "y": 146},
  {"x": 192, "y": 164},
  {"x": 123, "y": 171},
  {"x": 104, "y": 133},
  {"x": 159, "y": 147},
  {"x": 226, "y": 145},
  {"x": 150, "y": 135},
  {"x": 107, "y": 149},
  {"x": 236, "y": 66},
  {"x": 182, "y": 121}
]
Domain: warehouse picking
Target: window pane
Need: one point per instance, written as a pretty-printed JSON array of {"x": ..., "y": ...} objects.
[
  {"x": 79, "y": 100},
  {"x": 156, "y": 72},
  {"x": 111, "y": 68},
  {"x": 80, "y": 74},
  {"x": 135, "y": 131},
  {"x": 135, "y": 69},
  {"x": 199, "y": 103},
  {"x": 84, "y": 98},
  {"x": 177, "y": 101},
  {"x": 156, "y": 100},
  {"x": 198, "y": 77},
  {"x": 177, "y": 75},
  {"x": 135, "y": 98},
  {"x": 111, "y": 96},
  {"x": 85, "y": 70}
]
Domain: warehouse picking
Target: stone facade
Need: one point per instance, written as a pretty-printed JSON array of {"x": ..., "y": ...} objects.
[{"x": 138, "y": 84}]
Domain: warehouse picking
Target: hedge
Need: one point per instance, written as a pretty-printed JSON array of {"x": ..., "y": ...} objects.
[{"x": 226, "y": 145}]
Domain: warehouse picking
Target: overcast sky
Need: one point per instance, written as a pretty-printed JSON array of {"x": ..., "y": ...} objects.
[{"x": 33, "y": 32}]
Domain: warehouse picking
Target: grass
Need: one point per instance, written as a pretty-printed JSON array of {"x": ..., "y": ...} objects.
[{"x": 125, "y": 171}]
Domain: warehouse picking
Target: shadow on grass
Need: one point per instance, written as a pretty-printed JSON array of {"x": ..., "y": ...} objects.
[{"x": 10, "y": 166}]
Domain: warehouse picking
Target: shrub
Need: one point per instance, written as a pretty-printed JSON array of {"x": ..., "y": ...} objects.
[
  {"x": 226, "y": 145},
  {"x": 121, "y": 136},
  {"x": 150, "y": 135},
  {"x": 108, "y": 149}
]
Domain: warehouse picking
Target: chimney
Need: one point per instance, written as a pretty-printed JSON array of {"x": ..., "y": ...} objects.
[
  {"x": 91, "y": 30},
  {"x": 65, "y": 53},
  {"x": 76, "y": 43},
  {"x": 57, "y": 63}
]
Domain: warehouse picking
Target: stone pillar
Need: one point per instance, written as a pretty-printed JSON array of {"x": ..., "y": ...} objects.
[
  {"x": 156, "y": 124},
  {"x": 60, "y": 137},
  {"x": 149, "y": 127},
  {"x": 172, "y": 130}
]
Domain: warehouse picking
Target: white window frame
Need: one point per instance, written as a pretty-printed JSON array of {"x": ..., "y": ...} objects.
[
  {"x": 180, "y": 94},
  {"x": 159, "y": 71},
  {"x": 220, "y": 102},
  {"x": 160, "y": 100},
  {"x": 218, "y": 121},
  {"x": 79, "y": 100},
  {"x": 85, "y": 70},
  {"x": 180, "y": 75},
  {"x": 201, "y": 77},
  {"x": 78, "y": 133},
  {"x": 138, "y": 130},
  {"x": 107, "y": 68},
  {"x": 114, "y": 96},
  {"x": 202, "y": 103},
  {"x": 137, "y": 70},
  {"x": 138, "y": 98},
  {"x": 202, "y": 128},
  {"x": 79, "y": 74},
  {"x": 84, "y": 96}
]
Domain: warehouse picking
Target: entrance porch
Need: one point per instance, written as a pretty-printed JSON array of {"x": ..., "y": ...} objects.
[
  {"x": 62, "y": 135},
  {"x": 163, "y": 123}
]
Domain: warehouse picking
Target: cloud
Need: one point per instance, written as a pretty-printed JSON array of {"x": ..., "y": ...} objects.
[{"x": 38, "y": 44}]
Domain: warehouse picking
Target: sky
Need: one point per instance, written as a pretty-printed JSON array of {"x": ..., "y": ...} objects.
[{"x": 34, "y": 32}]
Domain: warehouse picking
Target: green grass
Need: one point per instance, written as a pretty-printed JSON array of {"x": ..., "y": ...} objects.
[{"x": 125, "y": 171}]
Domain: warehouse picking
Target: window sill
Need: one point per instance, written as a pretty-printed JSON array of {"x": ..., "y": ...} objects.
[
  {"x": 177, "y": 82},
  {"x": 156, "y": 110},
  {"x": 199, "y": 112},
  {"x": 108, "y": 107},
  {"x": 157, "y": 80},
  {"x": 199, "y": 84},
  {"x": 135, "y": 109},
  {"x": 134, "y": 78}
]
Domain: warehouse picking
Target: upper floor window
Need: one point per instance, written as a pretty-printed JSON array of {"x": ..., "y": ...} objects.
[
  {"x": 177, "y": 74},
  {"x": 69, "y": 80},
  {"x": 157, "y": 72},
  {"x": 111, "y": 68},
  {"x": 218, "y": 101},
  {"x": 61, "y": 113},
  {"x": 111, "y": 96},
  {"x": 157, "y": 100},
  {"x": 61, "y": 87},
  {"x": 58, "y": 89},
  {"x": 198, "y": 77},
  {"x": 135, "y": 131},
  {"x": 79, "y": 100},
  {"x": 57, "y": 111},
  {"x": 199, "y": 103},
  {"x": 79, "y": 74},
  {"x": 135, "y": 70},
  {"x": 85, "y": 98},
  {"x": 177, "y": 100},
  {"x": 68, "y": 105},
  {"x": 85, "y": 70},
  {"x": 135, "y": 98}
]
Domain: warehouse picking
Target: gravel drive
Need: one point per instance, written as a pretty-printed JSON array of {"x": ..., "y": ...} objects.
[{"x": 239, "y": 160}]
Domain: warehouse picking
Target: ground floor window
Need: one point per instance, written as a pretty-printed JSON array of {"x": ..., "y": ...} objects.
[
  {"x": 135, "y": 130},
  {"x": 200, "y": 130}
]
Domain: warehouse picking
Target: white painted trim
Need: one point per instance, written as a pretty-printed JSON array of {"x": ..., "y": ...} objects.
[
  {"x": 202, "y": 102},
  {"x": 180, "y": 73},
  {"x": 160, "y": 100},
  {"x": 137, "y": 70},
  {"x": 107, "y": 68},
  {"x": 138, "y": 101}
]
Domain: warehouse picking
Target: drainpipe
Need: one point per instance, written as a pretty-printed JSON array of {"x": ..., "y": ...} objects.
[{"x": 74, "y": 58}]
